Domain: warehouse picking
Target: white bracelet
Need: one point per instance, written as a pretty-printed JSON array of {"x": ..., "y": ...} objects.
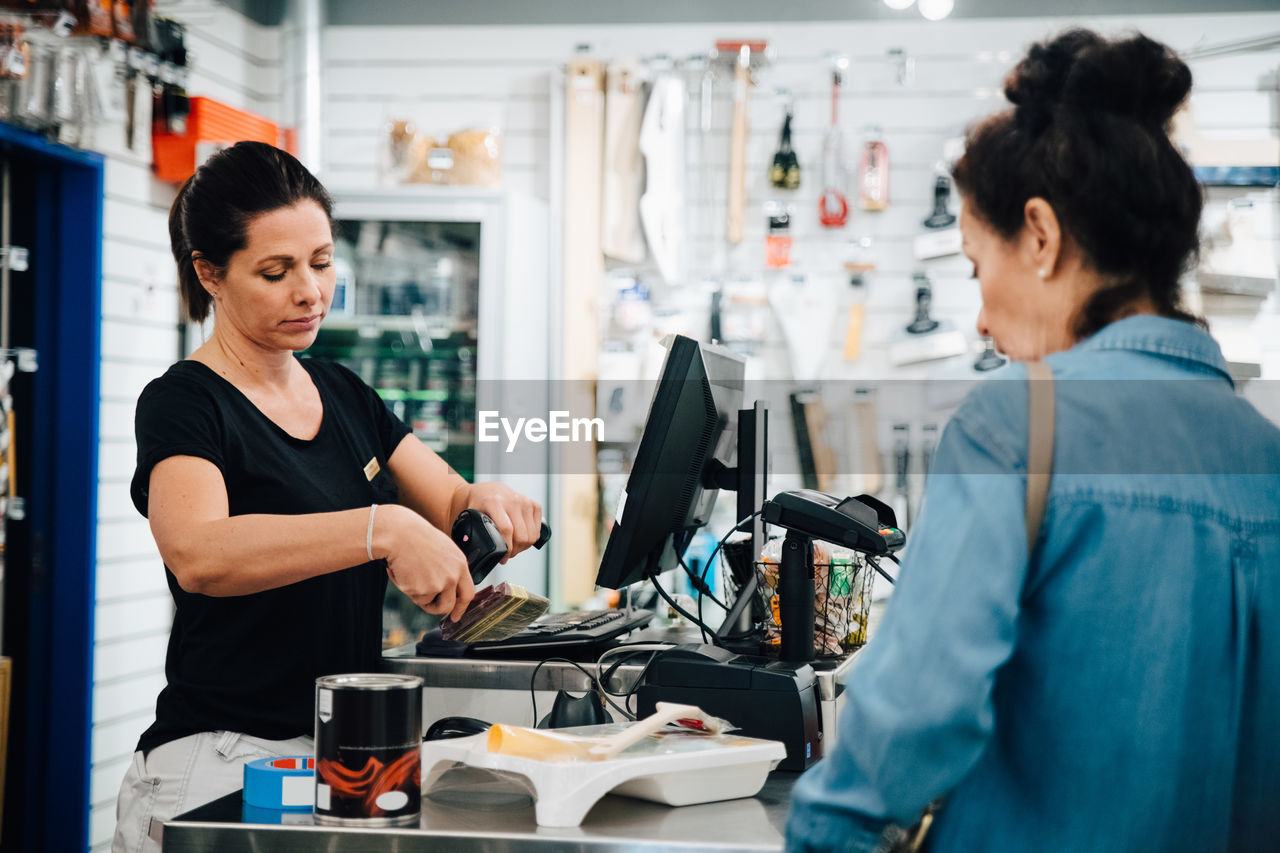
[{"x": 368, "y": 536}]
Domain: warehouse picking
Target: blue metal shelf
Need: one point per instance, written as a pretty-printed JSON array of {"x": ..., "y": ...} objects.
[{"x": 66, "y": 280}]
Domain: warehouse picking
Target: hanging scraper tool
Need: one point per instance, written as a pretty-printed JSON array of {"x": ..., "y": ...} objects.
[{"x": 747, "y": 56}]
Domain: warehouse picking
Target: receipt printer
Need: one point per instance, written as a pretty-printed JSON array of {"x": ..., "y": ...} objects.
[{"x": 762, "y": 697}]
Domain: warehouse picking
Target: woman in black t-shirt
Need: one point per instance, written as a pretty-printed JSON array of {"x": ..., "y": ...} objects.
[{"x": 281, "y": 492}]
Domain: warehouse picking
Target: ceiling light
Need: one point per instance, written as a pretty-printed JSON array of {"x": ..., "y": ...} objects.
[
  {"x": 936, "y": 10},
  {"x": 899, "y": 4}
]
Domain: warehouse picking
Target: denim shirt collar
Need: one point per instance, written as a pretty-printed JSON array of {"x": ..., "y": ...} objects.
[{"x": 1161, "y": 336}]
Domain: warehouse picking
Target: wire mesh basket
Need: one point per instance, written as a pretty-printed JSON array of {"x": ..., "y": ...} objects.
[{"x": 841, "y": 603}]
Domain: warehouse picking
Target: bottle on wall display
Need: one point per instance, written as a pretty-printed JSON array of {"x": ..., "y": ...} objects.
[{"x": 873, "y": 172}]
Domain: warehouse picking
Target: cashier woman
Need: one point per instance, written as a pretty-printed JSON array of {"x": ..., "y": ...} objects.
[
  {"x": 281, "y": 492},
  {"x": 1118, "y": 687}
]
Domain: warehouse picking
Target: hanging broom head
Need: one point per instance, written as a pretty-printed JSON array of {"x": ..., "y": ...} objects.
[{"x": 754, "y": 53}]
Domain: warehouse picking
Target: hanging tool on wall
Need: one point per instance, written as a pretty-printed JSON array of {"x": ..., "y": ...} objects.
[
  {"x": 857, "y": 314},
  {"x": 873, "y": 171},
  {"x": 989, "y": 359},
  {"x": 804, "y": 307},
  {"x": 747, "y": 56},
  {"x": 860, "y": 262},
  {"x": 626, "y": 89},
  {"x": 926, "y": 339},
  {"x": 864, "y": 443},
  {"x": 833, "y": 206},
  {"x": 706, "y": 249},
  {"x": 583, "y": 271},
  {"x": 170, "y": 105},
  {"x": 922, "y": 323},
  {"x": 902, "y": 468},
  {"x": 785, "y": 172},
  {"x": 662, "y": 141},
  {"x": 941, "y": 217},
  {"x": 940, "y": 236}
]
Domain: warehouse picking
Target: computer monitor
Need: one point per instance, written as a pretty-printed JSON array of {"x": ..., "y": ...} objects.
[{"x": 689, "y": 449}]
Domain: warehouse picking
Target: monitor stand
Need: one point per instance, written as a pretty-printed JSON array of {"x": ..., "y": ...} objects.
[{"x": 750, "y": 481}]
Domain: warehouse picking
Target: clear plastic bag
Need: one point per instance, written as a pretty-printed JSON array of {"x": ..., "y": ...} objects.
[{"x": 477, "y": 157}]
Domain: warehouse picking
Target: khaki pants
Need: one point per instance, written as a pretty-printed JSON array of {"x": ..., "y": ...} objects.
[{"x": 180, "y": 775}]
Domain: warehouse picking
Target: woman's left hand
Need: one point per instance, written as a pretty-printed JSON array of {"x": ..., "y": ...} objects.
[{"x": 518, "y": 518}]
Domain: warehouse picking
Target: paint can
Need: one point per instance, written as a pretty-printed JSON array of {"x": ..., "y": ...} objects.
[{"x": 368, "y": 742}]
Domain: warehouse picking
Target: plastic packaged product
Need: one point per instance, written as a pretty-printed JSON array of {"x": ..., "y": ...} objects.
[
  {"x": 429, "y": 162},
  {"x": 401, "y": 137},
  {"x": 873, "y": 171},
  {"x": 777, "y": 241},
  {"x": 477, "y": 157}
]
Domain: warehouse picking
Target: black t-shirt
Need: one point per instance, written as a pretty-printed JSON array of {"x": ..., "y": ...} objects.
[{"x": 248, "y": 663}]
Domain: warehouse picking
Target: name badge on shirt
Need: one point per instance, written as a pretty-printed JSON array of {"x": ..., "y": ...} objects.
[{"x": 371, "y": 469}]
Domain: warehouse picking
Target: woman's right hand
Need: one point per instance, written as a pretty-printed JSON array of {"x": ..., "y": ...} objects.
[{"x": 422, "y": 561}]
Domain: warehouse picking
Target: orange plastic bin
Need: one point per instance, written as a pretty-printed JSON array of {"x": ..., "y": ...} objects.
[{"x": 211, "y": 125}]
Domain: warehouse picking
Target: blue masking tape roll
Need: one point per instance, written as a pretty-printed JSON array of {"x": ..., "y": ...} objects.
[
  {"x": 253, "y": 814},
  {"x": 285, "y": 782}
]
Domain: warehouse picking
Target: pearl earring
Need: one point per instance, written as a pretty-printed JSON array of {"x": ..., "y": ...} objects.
[{"x": 1041, "y": 272}]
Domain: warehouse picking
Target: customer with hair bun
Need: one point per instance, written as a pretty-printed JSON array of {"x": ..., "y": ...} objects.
[
  {"x": 1111, "y": 683},
  {"x": 281, "y": 492}
]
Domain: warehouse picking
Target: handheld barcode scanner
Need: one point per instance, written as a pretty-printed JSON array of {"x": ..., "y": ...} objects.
[
  {"x": 482, "y": 544},
  {"x": 861, "y": 524}
]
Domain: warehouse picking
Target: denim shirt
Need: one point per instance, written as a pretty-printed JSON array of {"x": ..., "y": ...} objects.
[{"x": 1119, "y": 688}]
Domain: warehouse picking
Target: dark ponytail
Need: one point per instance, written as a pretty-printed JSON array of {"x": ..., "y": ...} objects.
[
  {"x": 211, "y": 213},
  {"x": 1088, "y": 132},
  {"x": 194, "y": 299}
]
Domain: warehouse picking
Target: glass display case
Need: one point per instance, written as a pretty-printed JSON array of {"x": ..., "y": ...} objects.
[{"x": 404, "y": 319}]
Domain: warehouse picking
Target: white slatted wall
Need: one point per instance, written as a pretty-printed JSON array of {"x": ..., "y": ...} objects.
[
  {"x": 446, "y": 77},
  {"x": 235, "y": 61},
  {"x": 450, "y": 77}
]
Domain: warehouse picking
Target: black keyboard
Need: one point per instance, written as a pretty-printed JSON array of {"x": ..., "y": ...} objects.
[
  {"x": 575, "y": 620},
  {"x": 559, "y": 632}
]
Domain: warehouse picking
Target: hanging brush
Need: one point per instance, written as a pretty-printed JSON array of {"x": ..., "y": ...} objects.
[{"x": 496, "y": 613}]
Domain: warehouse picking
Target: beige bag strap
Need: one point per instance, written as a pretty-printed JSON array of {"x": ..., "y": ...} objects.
[
  {"x": 1040, "y": 447},
  {"x": 1039, "y": 469}
]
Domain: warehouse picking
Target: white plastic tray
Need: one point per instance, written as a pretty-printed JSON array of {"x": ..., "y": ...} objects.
[{"x": 671, "y": 767}]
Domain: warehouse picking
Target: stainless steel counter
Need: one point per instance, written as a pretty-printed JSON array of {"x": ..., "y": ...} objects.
[
  {"x": 498, "y": 690},
  {"x": 476, "y": 811}
]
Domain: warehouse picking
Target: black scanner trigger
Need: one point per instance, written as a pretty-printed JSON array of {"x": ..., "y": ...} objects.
[{"x": 478, "y": 538}]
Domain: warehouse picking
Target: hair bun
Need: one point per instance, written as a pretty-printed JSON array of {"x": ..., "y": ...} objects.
[{"x": 1134, "y": 77}]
